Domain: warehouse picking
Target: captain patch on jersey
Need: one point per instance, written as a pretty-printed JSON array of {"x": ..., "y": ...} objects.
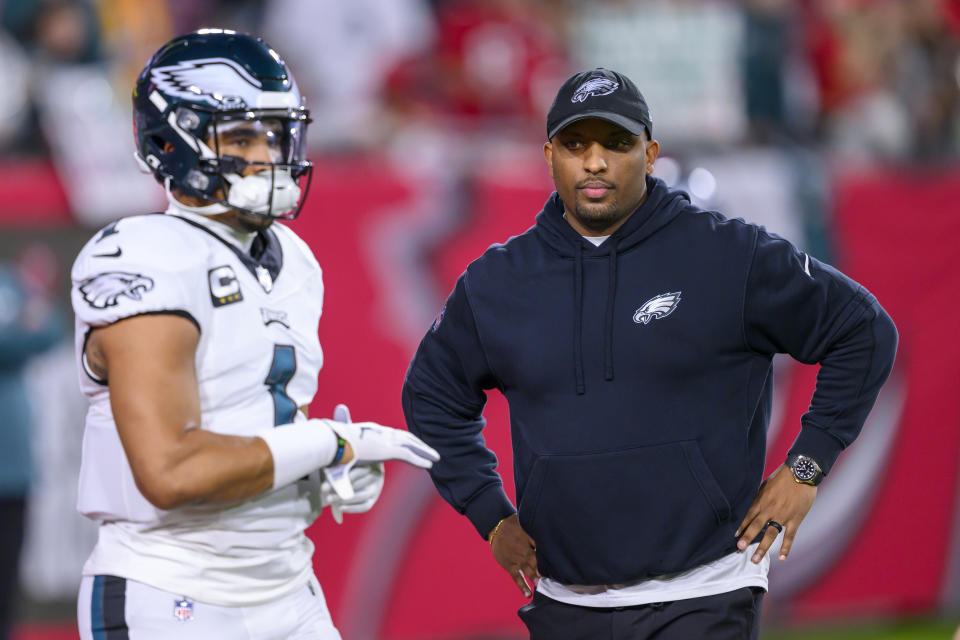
[{"x": 224, "y": 286}]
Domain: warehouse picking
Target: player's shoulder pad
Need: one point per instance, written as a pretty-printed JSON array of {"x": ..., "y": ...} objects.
[
  {"x": 153, "y": 242},
  {"x": 292, "y": 243},
  {"x": 141, "y": 264}
]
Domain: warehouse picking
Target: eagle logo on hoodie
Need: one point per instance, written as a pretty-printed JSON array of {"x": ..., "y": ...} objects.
[{"x": 657, "y": 307}]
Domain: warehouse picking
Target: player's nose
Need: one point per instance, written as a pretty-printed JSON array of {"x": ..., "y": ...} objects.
[
  {"x": 261, "y": 155},
  {"x": 594, "y": 158}
]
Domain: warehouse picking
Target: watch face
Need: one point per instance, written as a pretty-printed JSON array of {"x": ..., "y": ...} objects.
[{"x": 804, "y": 469}]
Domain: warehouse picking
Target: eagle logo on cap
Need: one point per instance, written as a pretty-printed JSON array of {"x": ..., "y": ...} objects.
[
  {"x": 595, "y": 87},
  {"x": 657, "y": 307}
]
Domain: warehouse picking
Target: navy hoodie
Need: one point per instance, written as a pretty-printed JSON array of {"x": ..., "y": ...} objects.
[{"x": 638, "y": 375}]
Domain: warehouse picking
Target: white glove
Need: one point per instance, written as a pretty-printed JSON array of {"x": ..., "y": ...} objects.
[
  {"x": 372, "y": 443},
  {"x": 367, "y": 481}
]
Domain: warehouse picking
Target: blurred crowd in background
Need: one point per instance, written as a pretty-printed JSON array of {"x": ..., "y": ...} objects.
[
  {"x": 870, "y": 80},
  {"x": 867, "y": 79},
  {"x": 440, "y": 87}
]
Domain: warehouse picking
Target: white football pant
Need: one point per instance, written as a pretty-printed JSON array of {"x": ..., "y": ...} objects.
[{"x": 112, "y": 608}]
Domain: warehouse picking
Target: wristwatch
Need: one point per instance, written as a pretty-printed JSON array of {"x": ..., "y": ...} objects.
[{"x": 805, "y": 469}]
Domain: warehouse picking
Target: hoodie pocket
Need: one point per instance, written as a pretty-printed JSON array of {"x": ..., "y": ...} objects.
[{"x": 620, "y": 516}]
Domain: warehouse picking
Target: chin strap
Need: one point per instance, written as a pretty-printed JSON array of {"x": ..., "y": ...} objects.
[
  {"x": 206, "y": 210},
  {"x": 249, "y": 193}
]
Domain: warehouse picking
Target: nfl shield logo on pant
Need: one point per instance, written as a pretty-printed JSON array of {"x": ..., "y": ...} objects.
[{"x": 183, "y": 610}]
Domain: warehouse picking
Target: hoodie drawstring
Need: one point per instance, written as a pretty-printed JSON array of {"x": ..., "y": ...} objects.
[
  {"x": 578, "y": 319},
  {"x": 608, "y": 324}
]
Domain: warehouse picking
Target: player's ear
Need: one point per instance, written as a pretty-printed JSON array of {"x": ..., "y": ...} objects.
[
  {"x": 548, "y": 155},
  {"x": 652, "y": 151}
]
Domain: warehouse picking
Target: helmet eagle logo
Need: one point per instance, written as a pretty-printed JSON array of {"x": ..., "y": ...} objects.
[
  {"x": 220, "y": 82},
  {"x": 657, "y": 307}
]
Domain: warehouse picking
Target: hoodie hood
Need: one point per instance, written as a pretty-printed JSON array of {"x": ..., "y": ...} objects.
[{"x": 659, "y": 208}]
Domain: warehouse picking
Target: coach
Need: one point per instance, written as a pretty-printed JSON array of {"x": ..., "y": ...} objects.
[{"x": 632, "y": 334}]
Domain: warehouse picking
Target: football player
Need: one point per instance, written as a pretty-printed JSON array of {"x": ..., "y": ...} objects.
[{"x": 197, "y": 343}]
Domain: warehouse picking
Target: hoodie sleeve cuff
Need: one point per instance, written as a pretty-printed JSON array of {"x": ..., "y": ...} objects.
[
  {"x": 487, "y": 508},
  {"x": 818, "y": 444}
]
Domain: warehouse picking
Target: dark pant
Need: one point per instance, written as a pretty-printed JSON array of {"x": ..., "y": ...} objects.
[
  {"x": 726, "y": 616},
  {"x": 11, "y": 537}
]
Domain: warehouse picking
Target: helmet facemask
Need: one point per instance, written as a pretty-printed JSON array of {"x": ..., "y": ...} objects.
[{"x": 254, "y": 161}]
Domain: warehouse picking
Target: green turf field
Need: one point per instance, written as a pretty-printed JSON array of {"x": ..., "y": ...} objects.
[{"x": 915, "y": 630}]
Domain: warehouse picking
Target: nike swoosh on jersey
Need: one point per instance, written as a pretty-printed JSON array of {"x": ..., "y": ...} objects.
[{"x": 115, "y": 254}]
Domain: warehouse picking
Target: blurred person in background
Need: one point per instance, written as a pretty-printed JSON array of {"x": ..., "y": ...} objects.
[
  {"x": 15, "y": 112},
  {"x": 465, "y": 100},
  {"x": 344, "y": 51},
  {"x": 689, "y": 57},
  {"x": 50, "y": 34},
  {"x": 885, "y": 73},
  {"x": 767, "y": 45},
  {"x": 488, "y": 69},
  {"x": 131, "y": 31},
  {"x": 29, "y": 325},
  {"x": 71, "y": 102},
  {"x": 632, "y": 334},
  {"x": 196, "y": 337},
  {"x": 927, "y": 79},
  {"x": 495, "y": 59}
]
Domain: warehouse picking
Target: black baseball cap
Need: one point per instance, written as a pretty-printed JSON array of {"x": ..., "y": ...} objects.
[{"x": 599, "y": 93}]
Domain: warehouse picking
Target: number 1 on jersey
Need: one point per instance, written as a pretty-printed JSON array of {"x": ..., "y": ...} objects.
[{"x": 282, "y": 368}]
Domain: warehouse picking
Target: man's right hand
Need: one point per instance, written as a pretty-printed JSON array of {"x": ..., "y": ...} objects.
[{"x": 516, "y": 552}]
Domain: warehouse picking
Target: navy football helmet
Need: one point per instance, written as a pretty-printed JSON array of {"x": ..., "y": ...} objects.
[{"x": 202, "y": 84}]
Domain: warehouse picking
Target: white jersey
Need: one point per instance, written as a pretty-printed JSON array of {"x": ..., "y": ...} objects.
[{"x": 257, "y": 361}]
